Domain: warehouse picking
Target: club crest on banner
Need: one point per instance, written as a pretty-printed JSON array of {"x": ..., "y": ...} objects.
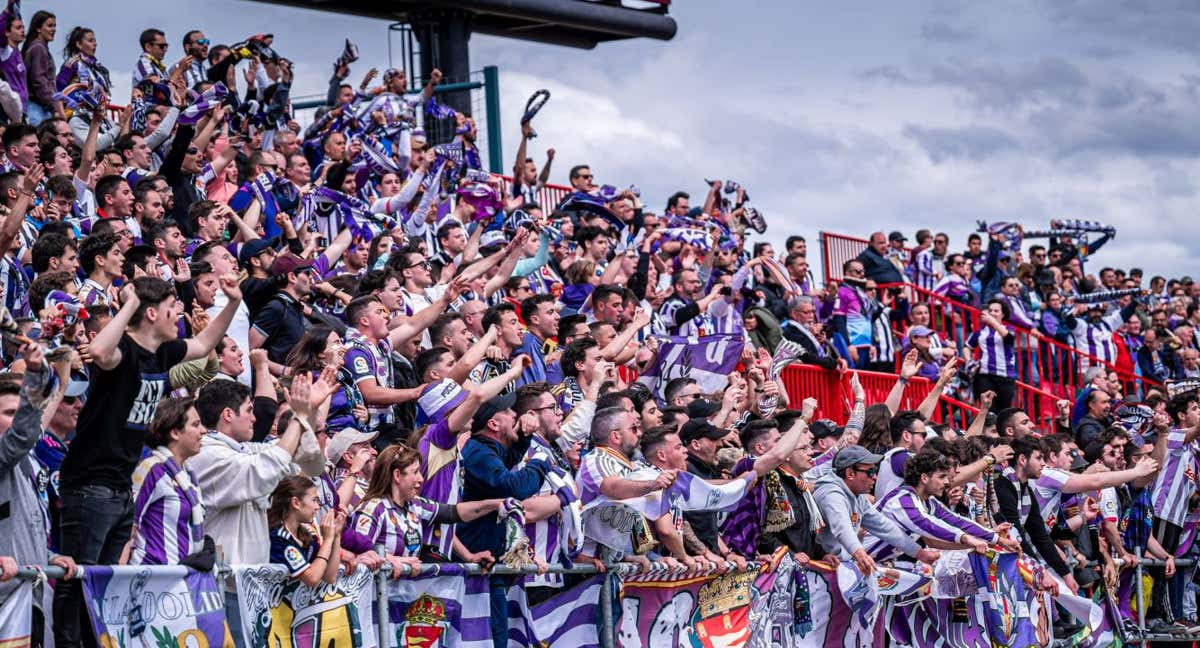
[
  {"x": 425, "y": 623},
  {"x": 721, "y": 611}
]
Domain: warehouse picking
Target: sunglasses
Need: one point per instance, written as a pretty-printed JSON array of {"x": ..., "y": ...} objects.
[
  {"x": 200, "y": 41},
  {"x": 869, "y": 472},
  {"x": 419, "y": 264}
]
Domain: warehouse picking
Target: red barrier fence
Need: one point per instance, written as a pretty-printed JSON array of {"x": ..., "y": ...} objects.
[
  {"x": 832, "y": 390},
  {"x": 1048, "y": 369}
]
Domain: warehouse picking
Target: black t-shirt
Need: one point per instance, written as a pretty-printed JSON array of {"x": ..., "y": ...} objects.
[
  {"x": 283, "y": 323},
  {"x": 112, "y": 425},
  {"x": 704, "y": 523}
]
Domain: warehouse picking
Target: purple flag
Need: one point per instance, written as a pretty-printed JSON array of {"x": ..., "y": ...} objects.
[{"x": 708, "y": 360}]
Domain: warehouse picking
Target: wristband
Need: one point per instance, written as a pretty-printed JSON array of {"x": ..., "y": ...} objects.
[{"x": 989, "y": 460}]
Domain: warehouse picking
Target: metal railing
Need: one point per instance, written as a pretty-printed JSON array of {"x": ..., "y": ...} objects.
[{"x": 607, "y": 621}]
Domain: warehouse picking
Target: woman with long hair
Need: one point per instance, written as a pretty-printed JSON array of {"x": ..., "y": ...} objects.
[
  {"x": 39, "y": 68},
  {"x": 392, "y": 513},
  {"x": 310, "y": 556},
  {"x": 80, "y": 64},
  {"x": 168, "y": 516},
  {"x": 321, "y": 347}
]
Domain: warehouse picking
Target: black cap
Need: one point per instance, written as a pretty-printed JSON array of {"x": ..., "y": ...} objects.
[
  {"x": 897, "y": 236},
  {"x": 251, "y": 249},
  {"x": 491, "y": 408},
  {"x": 701, "y": 408},
  {"x": 700, "y": 429},
  {"x": 825, "y": 428}
]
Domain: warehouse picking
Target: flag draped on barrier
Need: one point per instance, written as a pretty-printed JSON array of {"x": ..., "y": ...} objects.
[
  {"x": 16, "y": 617},
  {"x": 163, "y": 606},
  {"x": 283, "y": 612},
  {"x": 969, "y": 601}
]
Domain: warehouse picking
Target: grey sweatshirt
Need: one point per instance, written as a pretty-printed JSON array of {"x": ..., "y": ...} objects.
[
  {"x": 846, "y": 512},
  {"x": 23, "y": 524}
]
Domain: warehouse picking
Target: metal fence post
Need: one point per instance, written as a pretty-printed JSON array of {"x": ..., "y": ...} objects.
[
  {"x": 1141, "y": 600},
  {"x": 383, "y": 625},
  {"x": 606, "y": 611},
  {"x": 491, "y": 92}
]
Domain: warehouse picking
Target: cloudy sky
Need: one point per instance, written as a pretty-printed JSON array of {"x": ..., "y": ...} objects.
[{"x": 845, "y": 117}]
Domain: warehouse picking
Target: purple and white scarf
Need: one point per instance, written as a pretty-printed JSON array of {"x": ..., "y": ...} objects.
[
  {"x": 353, "y": 213},
  {"x": 205, "y": 103}
]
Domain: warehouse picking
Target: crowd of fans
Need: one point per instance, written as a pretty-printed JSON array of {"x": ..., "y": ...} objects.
[{"x": 234, "y": 338}]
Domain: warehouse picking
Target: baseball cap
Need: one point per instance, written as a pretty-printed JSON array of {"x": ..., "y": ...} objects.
[
  {"x": 287, "y": 263},
  {"x": 919, "y": 331},
  {"x": 494, "y": 238},
  {"x": 897, "y": 236},
  {"x": 854, "y": 455},
  {"x": 343, "y": 439},
  {"x": 702, "y": 408},
  {"x": 491, "y": 408},
  {"x": 824, "y": 429},
  {"x": 700, "y": 429},
  {"x": 254, "y": 248}
]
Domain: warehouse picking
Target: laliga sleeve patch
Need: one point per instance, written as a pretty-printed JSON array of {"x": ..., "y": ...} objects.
[
  {"x": 295, "y": 559},
  {"x": 363, "y": 526},
  {"x": 360, "y": 365}
]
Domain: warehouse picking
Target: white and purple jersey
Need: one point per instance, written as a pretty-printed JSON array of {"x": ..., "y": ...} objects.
[
  {"x": 596, "y": 465},
  {"x": 922, "y": 270},
  {"x": 996, "y": 354},
  {"x": 556, "y": 539},
  {"x": 365, "y": 360},
  {"x": 401, "y": 529},
  {"x": 1048, "y": 491},
  {"x": 953, "y": 287},
  {"x": 891, "y": 472},
  {"x": 1176, "y": 480},
  {"x": 1096, "y": 338},
  {"x": 921, "y": 519},
  {"x": 167, "y": 512}
]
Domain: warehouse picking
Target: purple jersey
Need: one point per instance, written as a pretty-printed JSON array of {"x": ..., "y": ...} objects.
[
  {"x": 443, "y": 484},
  {"x": 921, "y": 519},
  {"x": 167, "y": 512}
]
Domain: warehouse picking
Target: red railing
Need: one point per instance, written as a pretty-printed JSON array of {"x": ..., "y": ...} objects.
[
  {"x": 837, "y": 249},
  {"x": 1059, "y": 368},
  {"x": 832, "y": 391},
  {"x": 548, "y": 196}
]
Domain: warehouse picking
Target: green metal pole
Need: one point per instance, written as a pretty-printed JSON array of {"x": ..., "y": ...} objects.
[{"x": 491, "y": 89}]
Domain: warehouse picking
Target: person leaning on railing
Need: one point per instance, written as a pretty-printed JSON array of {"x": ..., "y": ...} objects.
[{"x": 23, "y": 528}]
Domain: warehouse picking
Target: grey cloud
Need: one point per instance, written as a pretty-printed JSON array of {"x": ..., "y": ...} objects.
[
  {"x": 1173, "y": 24},
  {"x": 995, "y": 86},
  {"x": 943, "y": 32},
  {"x": 971, "y": 143}
]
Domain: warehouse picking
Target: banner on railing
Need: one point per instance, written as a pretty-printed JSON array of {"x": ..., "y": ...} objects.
[
  {"x": 159, "y": 606},
  {"x": 779, "y": 605},
  {"x": 452, "y": 608},
  {"x": 16, "y": 617},
  {"x": 277, "y": 610}
]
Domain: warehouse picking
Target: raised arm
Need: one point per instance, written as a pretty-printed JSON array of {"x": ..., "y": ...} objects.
[
  {"x": 474, "y": 355},
  {"x": 87, "y": 156},
  {"x": 947, "y": 373},
  {"x": 12, "y": 223},
  {"x": 207, "y": 339},
  {"x": 908, "y": 368}
]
